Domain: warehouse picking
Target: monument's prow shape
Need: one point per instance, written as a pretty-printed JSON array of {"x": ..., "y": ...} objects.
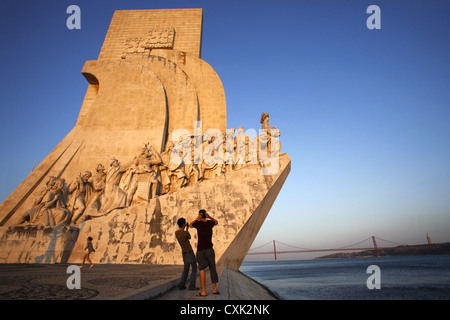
[{"x": 150, "y": 145}]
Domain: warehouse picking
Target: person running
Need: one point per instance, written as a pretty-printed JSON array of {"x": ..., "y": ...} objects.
[{"x": 89, "y": 248}]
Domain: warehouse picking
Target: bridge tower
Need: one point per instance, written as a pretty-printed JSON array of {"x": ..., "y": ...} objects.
[
  {"x": 274, "y": 250},
  {"x": 375, "y": 245}
]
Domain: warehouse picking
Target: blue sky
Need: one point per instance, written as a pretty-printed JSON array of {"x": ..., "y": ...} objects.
[{"x": 364, "y": 114}]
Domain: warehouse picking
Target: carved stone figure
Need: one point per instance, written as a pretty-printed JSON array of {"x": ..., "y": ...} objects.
[
  {"x": 138, "y": 177},
  {"x": 242, "y": 148},
  {"x": 61, "y": 213},
  {"x": 205, "y": 149},
  {"x": 81, "y": 190},
  {"x": 229, "y": 150},
  {"x": 213, "y": 156},
  {"x": 166, "y": 174},
  {"x": 99, "y": 179},
  {"x": 98, "y": 183},
  {"x": 49, "y": 185},
  {"x": 155, "y": 175},
  {"x": 112, "y": 197},
  {"x": 195, "y": 168},
  {"x": 275, "y": 143},
  {"x": 49, "y": 208},
  {"x": 265, "y": 138},
  {"x": 176, "y": 165}
]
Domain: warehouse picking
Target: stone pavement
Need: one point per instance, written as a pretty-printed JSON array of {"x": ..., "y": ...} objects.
[
  {"x": 233, "y": 285},
  {"x": 106, "y": 281},
  {"x": 118, "y": 282}
]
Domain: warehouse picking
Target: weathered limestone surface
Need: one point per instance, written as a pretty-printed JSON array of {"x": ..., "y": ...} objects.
[
  {"x": 115, "y": 177},
  {"x": 37, "y": 245},
  {"x": 145, "y": 233},
  {"x": 240, "y": 201},
  {"x": 133, "y": 99},
  {"x": 209, "y": 88},
  {"x": 126, "y": 24}
]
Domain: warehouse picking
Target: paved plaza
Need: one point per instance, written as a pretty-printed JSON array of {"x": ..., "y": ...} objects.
[{"x": 118, "y": 282}]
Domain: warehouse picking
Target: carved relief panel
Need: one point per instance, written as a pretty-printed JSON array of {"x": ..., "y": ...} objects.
[{"x": 155, "y": 39}]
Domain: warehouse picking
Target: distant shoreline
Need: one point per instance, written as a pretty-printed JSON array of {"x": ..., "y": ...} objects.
[{"x": 407, "y": 250}]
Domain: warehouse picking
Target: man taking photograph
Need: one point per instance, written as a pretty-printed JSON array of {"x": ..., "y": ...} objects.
[
  {"x": 183, "y": 237},
  {"x": 205, "y": 252}
]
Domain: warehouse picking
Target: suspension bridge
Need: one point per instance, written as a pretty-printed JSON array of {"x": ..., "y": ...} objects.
[{"x": 352, "y": 247}]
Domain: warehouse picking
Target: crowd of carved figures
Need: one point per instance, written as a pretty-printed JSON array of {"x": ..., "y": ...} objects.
[{"x": 150, "y": 174}]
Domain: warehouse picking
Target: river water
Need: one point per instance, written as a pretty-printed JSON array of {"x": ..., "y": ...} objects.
[{"x": 399, "y": 278}]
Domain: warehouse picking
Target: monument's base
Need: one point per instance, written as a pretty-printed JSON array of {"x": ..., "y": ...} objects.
[
  {"x": 33, "y": 244},
  {"x": 145, "y": 233}
]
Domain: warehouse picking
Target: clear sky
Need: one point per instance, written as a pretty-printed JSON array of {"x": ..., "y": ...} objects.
[{"x": 364, "y": 114}]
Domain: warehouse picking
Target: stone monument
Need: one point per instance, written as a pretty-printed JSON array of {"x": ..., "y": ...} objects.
[{"x": 150, "y": 145}]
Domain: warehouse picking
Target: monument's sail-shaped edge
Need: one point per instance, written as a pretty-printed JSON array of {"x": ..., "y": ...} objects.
[{"x": 150, "y": 145}]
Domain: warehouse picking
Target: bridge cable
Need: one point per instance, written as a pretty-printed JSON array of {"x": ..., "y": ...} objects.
[
  {"x": 354, "y": 244},
  {"x": 293, "y": 246},
  {"x": 402, "y": 244},
  {"x": 260, "y": 246}
]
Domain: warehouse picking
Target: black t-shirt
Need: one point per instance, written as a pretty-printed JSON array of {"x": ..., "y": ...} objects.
[{"x": 204, "y": 232}]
